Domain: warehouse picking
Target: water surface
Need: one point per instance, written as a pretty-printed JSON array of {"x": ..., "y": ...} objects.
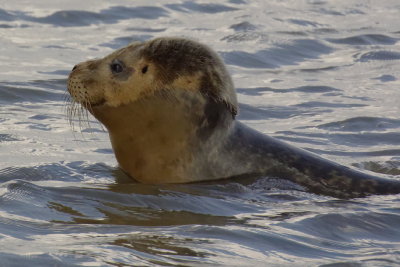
[{"x": 322, "y": 75}]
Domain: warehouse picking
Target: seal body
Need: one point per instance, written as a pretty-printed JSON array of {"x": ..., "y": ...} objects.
[{"x": 169, "y": 106}]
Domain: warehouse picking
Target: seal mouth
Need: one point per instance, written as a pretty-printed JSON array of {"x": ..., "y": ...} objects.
[{"x": 99, "y": 103}]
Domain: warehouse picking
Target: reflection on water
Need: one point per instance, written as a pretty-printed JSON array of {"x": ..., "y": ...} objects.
[{"x": 323, "y": 76}]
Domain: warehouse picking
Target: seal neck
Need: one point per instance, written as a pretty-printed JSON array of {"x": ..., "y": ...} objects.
[{"x": 163, "y": 140}]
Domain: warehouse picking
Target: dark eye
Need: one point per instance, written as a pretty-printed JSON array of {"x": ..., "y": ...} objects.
[
  {"x": 144, "y": 70},
  {"x": 116, "y": 66}
]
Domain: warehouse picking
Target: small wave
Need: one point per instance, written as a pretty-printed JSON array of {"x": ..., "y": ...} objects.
[
  {"x": 243, "y": 26},
  {"x": 248, "y": 60},
  {"x": 64, "y": 171},
  {"x": 7, "y": 16},
  {"x": 366, "y": 139},
  {"x": 142, "y": 12},
  {"x": 294, "y": 33},
  {"x": 63, "y": 73},
  {"x": 331, "y": 12},
  {"x": 123, "y": 41},
  {"x": 303, "y": 22},
  {"x": 144, "y": 29},
  {"x": 8, "y": 138},
  {"x": 387, "y": 167},
  {"x": 103, "y": 150},
  {"x": 71, "y": 18},
  {"x": 248, "y": 112},
  {"x": 325, "y": 31},
  {"x": 239, "y": 2},
  {"x": 35, "y": 91},
  {"x": 75, "y": 18},
  {"x": 283, "y": 54},
  {"x": 319, "y": 104},
  {"x": 378, "y": 55},
  {"x": 361, "y": 225},
  {"x": 258, "y": 91},
  {"x": 11, "y": 94},
  {"x": 189, "y": 6},
  {"x": 375, "y": 153},
  {"x": 9, "y": 259},
  {"x": 5, "y": 26},
  {"x": 358, "y": 124},
  {"x": 244, "y": 36},
  {"x": 22, "y": 191},
  {"x": 385, "y": 78},
  {"x": 365, "y": 39}
]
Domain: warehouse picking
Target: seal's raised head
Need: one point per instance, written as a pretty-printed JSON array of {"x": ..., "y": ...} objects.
[
  {"x": 144, "y": 69},
  {"x": 160, "y": 100}
]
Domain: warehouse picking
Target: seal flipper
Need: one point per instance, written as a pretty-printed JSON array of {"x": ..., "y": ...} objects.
[{"x": 273, "y": 157}]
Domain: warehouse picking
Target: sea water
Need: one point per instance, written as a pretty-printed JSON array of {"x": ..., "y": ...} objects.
[{"x": 321, "y": 75}]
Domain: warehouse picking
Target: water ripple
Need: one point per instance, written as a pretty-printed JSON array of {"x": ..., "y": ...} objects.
[
  {"x": 74, "y": 18},
  {"x": 366, "y": 39},
  {"x": 322, "y": 74},
  {"x": 284, "y": 54},
  {"x": 189, "y": 6},
  {"x": 243, "y": 26},
  {"x": 258, "y": 91},
  {"x": 378, "y": 55},
  {"x": 7, "y": 16},
  {"x": 358, "y": 124}
]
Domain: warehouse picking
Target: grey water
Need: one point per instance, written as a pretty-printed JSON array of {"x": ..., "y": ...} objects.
[{"x": 321, "y": 75}]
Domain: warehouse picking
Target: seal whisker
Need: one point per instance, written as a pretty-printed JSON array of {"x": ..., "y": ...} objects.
[
  {"x": 69, "y": 110},
  {"x": 88, "y": 110},
  {"x": 76, "y": 113},
  {"x": 81, "y": 117},
  {"x": 72, "y": 112},
  {"x": 71, "y": 106}
]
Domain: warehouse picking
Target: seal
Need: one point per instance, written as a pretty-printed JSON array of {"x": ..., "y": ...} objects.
[{"x": 169, "y": 106}]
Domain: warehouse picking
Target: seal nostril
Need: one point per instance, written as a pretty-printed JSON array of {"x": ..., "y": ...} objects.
[{"x": 74, "y": 68}]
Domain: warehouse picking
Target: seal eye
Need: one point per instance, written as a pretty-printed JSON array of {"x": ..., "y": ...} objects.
[
  {"x": 144, "y": 70},
  {"x": 116, "y": 66}
]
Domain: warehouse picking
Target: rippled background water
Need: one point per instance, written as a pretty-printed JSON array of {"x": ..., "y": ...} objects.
[{"x": 323, "y": 75}]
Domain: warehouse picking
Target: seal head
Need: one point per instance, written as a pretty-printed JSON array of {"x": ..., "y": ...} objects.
[{"x": 162, "y": 101}]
